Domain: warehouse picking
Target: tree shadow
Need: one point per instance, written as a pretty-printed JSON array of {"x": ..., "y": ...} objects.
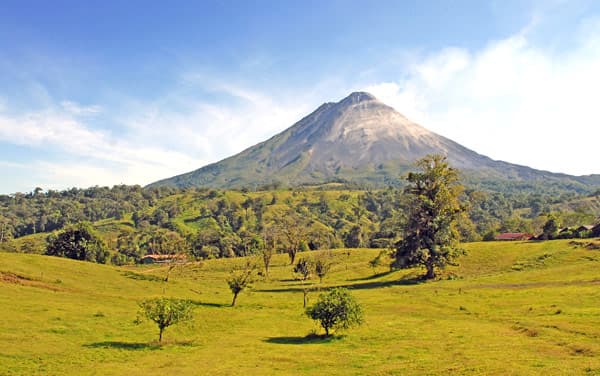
[
  {"x": 359, "y": 286},
  {"x": 207, "y": 304},
  {"x": 133, "y": 346},
  {"x": 141, "y": 277},
  {"x": 123, "y": 345},
  {"x": 374, "y": 276},
  {"x": 311, "y": 338},
  {"x": 378, "y": 284}
]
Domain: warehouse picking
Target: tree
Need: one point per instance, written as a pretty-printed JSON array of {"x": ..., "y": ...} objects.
[
  {"x": 551, "y": 227},
  {"x": 291, "y": 232},
  {"x": 78, "y": 242},
  {"x": 240, "y": 279},
  {"x": 303, "y": 270},
  {"x": 268, "y": 250},
  {"x": 336, "y": 309},
  {"x": 429, "y": 233},
  {"x": 166, "y": 312},
  {"x": 323, "y": 264}
]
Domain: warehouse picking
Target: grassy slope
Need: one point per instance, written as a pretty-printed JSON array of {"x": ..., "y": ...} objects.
[{"x": 515, "y": 308}]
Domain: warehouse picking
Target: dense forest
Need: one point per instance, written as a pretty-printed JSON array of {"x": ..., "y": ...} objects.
[{"x": 133, "y": 221}]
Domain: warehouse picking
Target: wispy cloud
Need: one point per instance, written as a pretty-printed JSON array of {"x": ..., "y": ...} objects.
[
  {"x": 154, "y": 140},
  {"x": 511, "y": 100}
]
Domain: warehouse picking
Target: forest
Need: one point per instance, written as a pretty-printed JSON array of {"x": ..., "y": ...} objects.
[{"x": 132, "y": 221}]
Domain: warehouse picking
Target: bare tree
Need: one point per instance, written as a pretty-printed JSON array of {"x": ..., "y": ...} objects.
[
  {"x": 291, "y": 231},
  {"x": 303, "y": 271}
]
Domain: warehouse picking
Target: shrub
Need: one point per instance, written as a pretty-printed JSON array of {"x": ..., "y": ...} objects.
[{"x": 336, "y": 309}]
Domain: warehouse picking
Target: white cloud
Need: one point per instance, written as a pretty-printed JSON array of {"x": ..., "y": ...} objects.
[
  {"x": 213, "y": 131},
  {"x": 158, "y": 141},
  {"x": 87, "y": 156},
  {"x": 78, "y": 110},
  {"x": 510, "y": 101}
]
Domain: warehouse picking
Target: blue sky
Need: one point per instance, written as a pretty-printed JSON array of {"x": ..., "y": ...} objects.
[{"x": 102, "y": 93}]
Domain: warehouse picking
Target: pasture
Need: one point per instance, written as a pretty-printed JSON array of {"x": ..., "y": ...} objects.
[{"x": 508, "y": 308}]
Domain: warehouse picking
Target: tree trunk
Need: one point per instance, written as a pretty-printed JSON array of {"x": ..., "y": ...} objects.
[
  {"x": 292, "y": 255},
  {"x": 160, "y": 335},
  {"x": 305, "y": 291},
  {"x": 326, "y": 331},
  {"x": 234, "y": 298},
  {"x": 430, "y": 271}
]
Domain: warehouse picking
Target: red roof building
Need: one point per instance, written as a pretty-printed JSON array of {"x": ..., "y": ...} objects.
[{"x": 513, "y": 236}]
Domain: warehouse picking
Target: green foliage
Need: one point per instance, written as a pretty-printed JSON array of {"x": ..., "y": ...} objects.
[
  {"x": 166, "y": 312},
  {"x": 207, "y": 223},
  {"x": 79, "y": 242},
  {"x": 336, "y": 309},
  {"x": 551, "y": 227},
  {"x": 429, "y": 234}
]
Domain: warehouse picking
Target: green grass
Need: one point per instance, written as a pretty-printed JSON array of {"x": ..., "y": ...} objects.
[{"x": 509, "y": 308}]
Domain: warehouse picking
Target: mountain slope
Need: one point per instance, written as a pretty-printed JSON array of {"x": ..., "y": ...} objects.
[{"x": 358, "y": 139}]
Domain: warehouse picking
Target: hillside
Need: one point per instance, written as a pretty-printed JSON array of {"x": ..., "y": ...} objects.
[
  {"x": 509, "y": 308},
  {"x": 363, "y": 141}
]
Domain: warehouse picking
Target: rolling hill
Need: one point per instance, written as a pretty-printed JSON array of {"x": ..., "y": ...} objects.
[{"x": 516, "y": 308}]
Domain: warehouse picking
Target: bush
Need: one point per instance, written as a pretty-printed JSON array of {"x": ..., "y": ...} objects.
[
  {"x": 166, "y": 312},
  {"x": 336, "y": 309}
]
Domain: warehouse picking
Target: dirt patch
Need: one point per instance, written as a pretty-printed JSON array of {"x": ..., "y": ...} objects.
[{"x": 18, "y": 279}]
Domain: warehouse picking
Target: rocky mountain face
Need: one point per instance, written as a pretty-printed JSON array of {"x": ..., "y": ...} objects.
[{"x": 358, "y": 139}]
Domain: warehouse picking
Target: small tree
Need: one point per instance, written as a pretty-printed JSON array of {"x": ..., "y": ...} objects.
[
  {"x": 269, "y": 249},
  {"x": 166, "y": 312},
  {"x": 336, "y": 309},
  {"x": 240, "y": 279},
  {"x": 291, "y": 231},
  {"x": 303, "y": 271},
  {"x": 323, "y": 264}
]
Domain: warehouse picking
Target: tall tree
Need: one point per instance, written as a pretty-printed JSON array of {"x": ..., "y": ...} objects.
[{"x": 429, "y": 233}]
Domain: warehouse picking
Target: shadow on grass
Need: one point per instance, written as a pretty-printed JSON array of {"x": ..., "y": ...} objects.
[
  {"x": 311, "y": 338},
  {"x": 154, "y": 345},
  {"x": 359, "y": 286},
  {"x": 123, "y": 345},
  {"x": 142, "y": 277},
  {"x": 374, "y": 276},
  {"x": 207, "y": 304}
]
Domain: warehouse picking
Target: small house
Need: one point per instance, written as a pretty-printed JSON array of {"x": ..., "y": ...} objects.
[
  {"x": 161, "y": 259},
  {"x": 596, "y": 231},
  {"x": 513, "y": 236}
]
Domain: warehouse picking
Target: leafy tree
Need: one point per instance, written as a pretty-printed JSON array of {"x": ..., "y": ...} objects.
[
  {"x": 240, "y": 280},
  {"x": 78, "y": 242},
  {"x": 166, "y": 312},
  {"x": 336, "y": 309},
  {"x": 429, "y": 234},
  {"x": 551, "y": 227}
]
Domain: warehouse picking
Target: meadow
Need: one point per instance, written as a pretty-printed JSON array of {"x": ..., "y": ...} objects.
[{"x": 509, "y": 308}]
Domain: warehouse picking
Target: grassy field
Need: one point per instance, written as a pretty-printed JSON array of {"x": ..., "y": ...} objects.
[{"x": 509, "y": 308}]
